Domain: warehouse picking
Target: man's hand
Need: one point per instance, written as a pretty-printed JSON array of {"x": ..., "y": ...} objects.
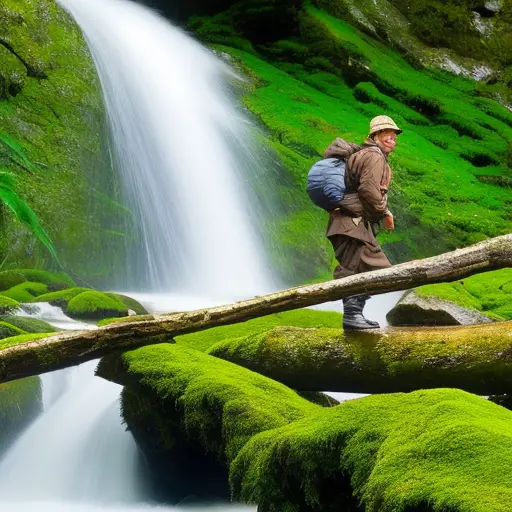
[{"x": 388, "y": 221}]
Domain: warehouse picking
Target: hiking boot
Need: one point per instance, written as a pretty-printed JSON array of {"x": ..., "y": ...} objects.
[
  {"x": 362, "y": 301},
  {"x": 353, "y": 319}
]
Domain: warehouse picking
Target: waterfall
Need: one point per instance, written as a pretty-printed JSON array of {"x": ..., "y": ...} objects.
[{"x": 182, "y": 149}]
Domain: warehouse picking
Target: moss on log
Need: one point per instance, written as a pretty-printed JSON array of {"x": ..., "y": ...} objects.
[
  {"x": 67, "y": 349},
  {"x": 430, "y": 450},
  {"x": 474, "y": 358}
]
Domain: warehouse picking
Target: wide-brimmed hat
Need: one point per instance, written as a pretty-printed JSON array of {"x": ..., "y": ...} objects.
[{"x": 380, "y": 123}]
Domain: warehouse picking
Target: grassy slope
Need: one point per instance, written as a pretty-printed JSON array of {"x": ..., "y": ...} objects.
[{"x": 328, "y": 83}]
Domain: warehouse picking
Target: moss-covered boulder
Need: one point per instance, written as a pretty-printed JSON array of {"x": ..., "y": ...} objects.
[
  {"x": 95, "y": 305},
  {"x": 26, "y": 291},
  {"x": 54, "y": 281},
  {"x": 428, "y": 450},
  {"x": 8, "y": 305},
  {"x": 27, "y": 324},
  {"x": 20, "y": 403},
  {"x": 130, "y": 303},
  {"x": 84, "y": 303},
  {"x": 8, "y": 330},
  {"x": 61, "y": 298},
  {"x": 416, "y": 309},
  {"x": 304, "y": 318},
  {"x": 470, "y": 300}
]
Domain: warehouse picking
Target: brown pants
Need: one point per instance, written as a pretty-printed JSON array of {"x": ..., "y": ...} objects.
[{"x": 355, "y": 256}]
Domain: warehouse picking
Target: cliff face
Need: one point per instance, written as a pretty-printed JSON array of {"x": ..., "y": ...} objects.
[{"x": 51, "y": 121}]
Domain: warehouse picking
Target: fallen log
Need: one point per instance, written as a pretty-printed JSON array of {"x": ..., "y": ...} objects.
[
  {"x": 476, "y": 358},
  {"x": 25, "y": 358}
]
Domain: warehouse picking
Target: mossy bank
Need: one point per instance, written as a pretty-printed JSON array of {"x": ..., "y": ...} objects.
[{"x": 51, "y": 136}]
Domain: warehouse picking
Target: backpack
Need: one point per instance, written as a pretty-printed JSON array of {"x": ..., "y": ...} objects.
[{"x": 326, "y": 183}]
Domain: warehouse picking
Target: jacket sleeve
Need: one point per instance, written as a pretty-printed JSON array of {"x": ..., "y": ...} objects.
[{"x": 372, "y": 171}]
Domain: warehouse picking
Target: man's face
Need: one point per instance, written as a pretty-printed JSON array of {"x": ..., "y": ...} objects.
[{"x": 387, "y": 140}]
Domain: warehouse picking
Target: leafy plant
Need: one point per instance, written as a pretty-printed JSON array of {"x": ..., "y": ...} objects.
[{"x": 10, "y": 198}]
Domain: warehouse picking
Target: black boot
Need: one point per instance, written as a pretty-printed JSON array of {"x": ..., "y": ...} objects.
[
  {"x": 353, "y": 319},
  {"x": 362, "y": 301}
]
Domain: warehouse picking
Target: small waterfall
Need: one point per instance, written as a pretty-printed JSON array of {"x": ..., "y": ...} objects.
[
  {"x": 77, "y": 450},
  {"x": 183, "y": 152}
]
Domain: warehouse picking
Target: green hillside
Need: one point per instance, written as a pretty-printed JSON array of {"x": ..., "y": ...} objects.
[{"x": 452, "y": 172}]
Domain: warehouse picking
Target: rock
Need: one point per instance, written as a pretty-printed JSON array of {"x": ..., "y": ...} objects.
[{"x": 412, "y": 309}]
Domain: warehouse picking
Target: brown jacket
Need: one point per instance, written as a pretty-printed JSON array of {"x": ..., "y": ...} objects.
[{"x": 367, "y": 178}]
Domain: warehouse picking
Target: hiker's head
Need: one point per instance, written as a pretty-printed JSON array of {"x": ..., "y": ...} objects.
[{"x": 384, "y": 131}]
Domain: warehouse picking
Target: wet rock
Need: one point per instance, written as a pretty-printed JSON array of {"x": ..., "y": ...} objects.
[{"x": 412, "y": 309}]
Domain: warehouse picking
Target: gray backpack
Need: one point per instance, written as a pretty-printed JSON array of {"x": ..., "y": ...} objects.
[{"x": 326, "y": 183}]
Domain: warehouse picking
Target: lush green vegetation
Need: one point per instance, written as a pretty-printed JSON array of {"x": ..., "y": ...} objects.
[
  {"x": 490, "y": 293},
  {"x": 305, "y": 318},
  {"x": 54, "y": 281},
  {"x": 328, "y": 79},
  {"x": 50, "y": 141},
  {"x": 428, "y": 450},
  {"x": 94, "y": 305},
  {"x": 434, "y": 450}
]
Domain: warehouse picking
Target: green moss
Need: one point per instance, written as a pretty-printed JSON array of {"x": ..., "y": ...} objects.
[
  {"x": 54, "y": 281},
  {"x": 61, "y": 298},
  {"x": 129, "y": 302},
  {"x": 428, "y": 450},
  {"x": 20, "y": 339},
  {"x": 299, "y": 318},
  {"x": 26, "y": 292},
  {"x": 7, "y": 330},
  {"x": 219, "y": 403},
  {"x": 20, "y": 402},
  {"x": 473, "y": 358},
  {"x": 490, "y": 293},
  {"x": 51, "y": 119},
  {"x": 29, "y": 325},
  {"x": 7, "y": 304},
  {"x": 95, "y": 305}
]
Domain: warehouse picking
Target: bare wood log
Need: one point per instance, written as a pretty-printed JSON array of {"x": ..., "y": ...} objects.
[
  {"x": 476, "y": 358},
  {"x": 72, "y": 348}
]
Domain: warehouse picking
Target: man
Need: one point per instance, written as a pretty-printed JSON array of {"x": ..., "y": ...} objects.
[{"x": 350, "y": 228}]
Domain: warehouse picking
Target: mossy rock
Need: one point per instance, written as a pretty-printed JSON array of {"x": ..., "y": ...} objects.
[
  {"x": 26, "y": 292},
  {"x": 490, "y": 293},
  {"x": 428, "y": 450},
  {"x": 8, "y": 330},
  {"x": 415, "y": 309},
  {"x": 475, "y": 358},
  {"x": 61, "y": 298},
  {"x": 20, "y": 402},
  {"x": 8, "y": 305},
  {"x": 59, "y": 281},
  {"x": 29, "y": 325},
  {"x": 95, "y": 305},
  {"x": 129, "y": 302}
]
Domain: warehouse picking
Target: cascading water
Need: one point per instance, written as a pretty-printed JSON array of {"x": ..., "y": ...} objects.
[{"x": 182, "y": 150}]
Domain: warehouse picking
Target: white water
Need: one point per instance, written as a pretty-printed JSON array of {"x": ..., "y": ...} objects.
[
  {"x": 77, "y": 456},
  {"x": 182, "y": 151}
]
